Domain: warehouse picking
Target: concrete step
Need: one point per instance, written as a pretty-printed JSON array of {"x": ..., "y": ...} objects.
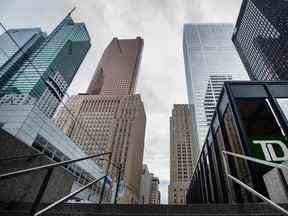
[
  {"x": 25, "y": 213},
  {"x": 76, "y": 209}
]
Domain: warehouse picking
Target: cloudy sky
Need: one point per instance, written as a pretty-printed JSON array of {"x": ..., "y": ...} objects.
[{"x": 159, "y": 22}]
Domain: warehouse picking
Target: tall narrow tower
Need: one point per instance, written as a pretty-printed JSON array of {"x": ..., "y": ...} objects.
[{"x": 183, "y": 152}]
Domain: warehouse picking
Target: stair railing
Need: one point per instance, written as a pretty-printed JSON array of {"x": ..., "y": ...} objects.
[
  {"x": 68, "y": 196},
  {"x": 247, "y": 187},
  {"x": 49, "y": 168}
]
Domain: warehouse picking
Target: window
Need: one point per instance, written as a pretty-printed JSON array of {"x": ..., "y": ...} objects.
[
  {"x": 70, "y": 48},
  {"x": 283, "y": 103}
]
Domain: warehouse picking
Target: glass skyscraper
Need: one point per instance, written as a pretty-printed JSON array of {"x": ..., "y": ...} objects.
[
  {"x": 46, "y": 72},
  {"x": 260, "y": 37},
  {"x": 8, "y": 48},
  {"x": 210, "y": 59},
  {"x": 13, "y": 55}
]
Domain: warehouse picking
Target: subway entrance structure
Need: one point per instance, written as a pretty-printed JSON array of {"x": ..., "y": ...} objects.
[{"x": 245, "y": 151}]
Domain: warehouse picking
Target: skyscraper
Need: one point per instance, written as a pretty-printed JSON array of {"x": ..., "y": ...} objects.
[
  {"x": 113, "y": 114},
  {"x": 212, "y": 94},
  {"x": 149, "y": 188},
  {"x": 13, "y": 55},
  {"x": 45, "y": 75},
  {"x": 183, "y": 152},
  {"x": 35, "y": 72},
  {"x": 155, "y": 193},
  {"x": 260, "y": 37},
  {"x": 117, "y": 71},
  {"x": 210, "y": 59}
]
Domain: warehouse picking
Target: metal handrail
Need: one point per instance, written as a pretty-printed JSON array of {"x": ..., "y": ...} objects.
[
  {"x": 263, "y": 162},
  {"x": 49, "y": 166},
  {"x": 67, "y": 197},
  {"x": 43, "y": 186},
  {"x": 247, "y": 187}
]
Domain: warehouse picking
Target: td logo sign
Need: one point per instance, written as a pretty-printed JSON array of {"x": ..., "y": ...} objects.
[{"x": 273, "y": 150}]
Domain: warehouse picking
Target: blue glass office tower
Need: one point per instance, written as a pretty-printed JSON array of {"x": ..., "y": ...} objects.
[
  {"x": 47, "y": 71},
  {"x": 23, "y": 36},
  {"x": 13, "y": 55},
  {"x": 210, "y": 60}
]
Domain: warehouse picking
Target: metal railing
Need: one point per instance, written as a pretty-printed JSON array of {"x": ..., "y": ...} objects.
[
  {"x": 247, "y": 187},
  {"x": 49, "y": 168},
  {"x": 68, "y": 196}
]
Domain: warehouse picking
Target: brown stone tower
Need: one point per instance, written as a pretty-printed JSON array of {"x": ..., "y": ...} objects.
[{"x": 183, "y": 152}]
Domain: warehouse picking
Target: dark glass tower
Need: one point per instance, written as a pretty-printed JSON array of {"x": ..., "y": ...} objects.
[
  {"x": 45, "y": 74},
  {"x": 260, "y": 37}
]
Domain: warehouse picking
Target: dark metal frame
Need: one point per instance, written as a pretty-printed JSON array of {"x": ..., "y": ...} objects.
[{"x": 45, "y": 182}]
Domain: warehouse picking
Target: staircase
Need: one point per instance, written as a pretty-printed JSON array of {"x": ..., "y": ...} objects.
[{"x": 76, "y": 209}]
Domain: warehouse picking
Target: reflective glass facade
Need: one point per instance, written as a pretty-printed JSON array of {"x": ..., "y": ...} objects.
[
  {"x": 210, "y": 59},
  {"x": 260, "y": 37},
  {"x": 8, "y": 48},
  {"x": 12, "y": 55},
  {"x": 56, "y": 61},
  {"x": 249, "y": 119}
]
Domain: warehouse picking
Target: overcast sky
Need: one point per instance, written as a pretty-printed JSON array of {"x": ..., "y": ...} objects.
[{"x": 161, "y": 81}]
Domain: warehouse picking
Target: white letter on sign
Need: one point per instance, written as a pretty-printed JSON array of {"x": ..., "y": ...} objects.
[{"x": 269, "y": 152}]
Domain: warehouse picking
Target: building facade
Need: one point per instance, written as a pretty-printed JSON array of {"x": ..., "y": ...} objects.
[
  {"x": 210, "y": 59},
  {"x": 260, "y": 37},
  {"x": 117, "y": 71},
  {"x": 155, "y": 198},
  {"x": 117, "y": 124},
  {"x": 183, "y": 152},
  {"x": 113, "y": 115},
  {"x": 47, "y": 68},
  {"x": 250, "y": 119},
  {"x": 149, "y": 188},
  {"x": 145, "y": 185}
]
